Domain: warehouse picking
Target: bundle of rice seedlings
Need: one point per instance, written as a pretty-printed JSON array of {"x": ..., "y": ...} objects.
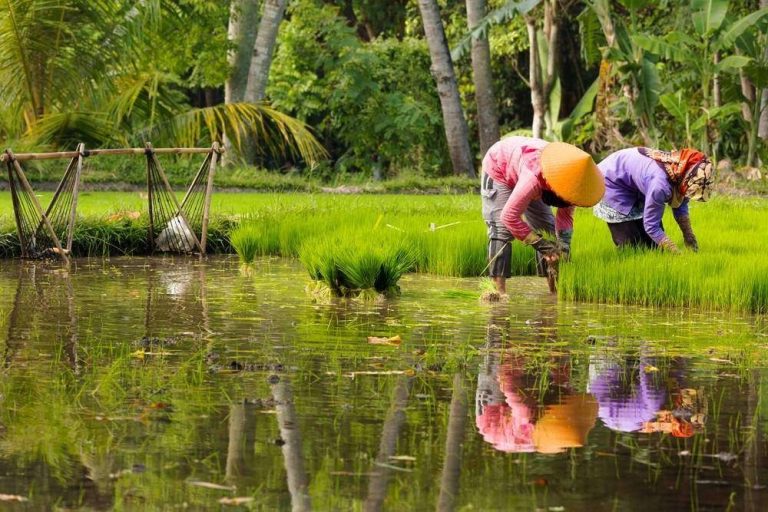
[
  {"x": 353, "y": 264},
  {"x": 246, "y": 240}
]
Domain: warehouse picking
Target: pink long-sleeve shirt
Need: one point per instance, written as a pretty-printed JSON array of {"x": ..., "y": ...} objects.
[{"x": 516, "y": 162}]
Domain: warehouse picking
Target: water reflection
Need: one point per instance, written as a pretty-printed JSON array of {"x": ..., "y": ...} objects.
[
  {"x": 633, "y": 397},
  {"x": 526, "y": 405},
  {"x": 125, "y": 381}
]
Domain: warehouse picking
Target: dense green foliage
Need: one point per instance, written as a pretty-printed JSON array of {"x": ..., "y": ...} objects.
[{"x": 357, "y": 72}]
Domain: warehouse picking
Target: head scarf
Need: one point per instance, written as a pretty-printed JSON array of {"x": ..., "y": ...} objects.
[{"x": 689, "y": 171}]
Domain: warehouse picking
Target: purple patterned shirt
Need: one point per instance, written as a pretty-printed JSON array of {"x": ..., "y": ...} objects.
[{"x": 633, "y": 179}]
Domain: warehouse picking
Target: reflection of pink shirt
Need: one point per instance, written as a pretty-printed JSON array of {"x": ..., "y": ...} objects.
[
  {"x": 514, "y": 161},
  {"x": 507, "y": 428}
]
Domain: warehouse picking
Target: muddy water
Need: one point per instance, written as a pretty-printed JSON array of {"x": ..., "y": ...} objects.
[{"x": 168, "y": 383}]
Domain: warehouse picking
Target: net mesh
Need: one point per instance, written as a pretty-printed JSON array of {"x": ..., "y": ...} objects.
[
  {"x": 39, "y": 239},
  {"x": 179, "y": 225}
]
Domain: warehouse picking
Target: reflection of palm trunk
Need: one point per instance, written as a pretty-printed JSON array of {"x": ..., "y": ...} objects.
[
  {"x": 70, "y": 346},
  {"x": 241, "y": 436},
  {"x": 449, "y": 482},
  {"x": 298, "y": 482},
  {"x": 752, "y": 450},
  {"x": 377, "y": 485}
]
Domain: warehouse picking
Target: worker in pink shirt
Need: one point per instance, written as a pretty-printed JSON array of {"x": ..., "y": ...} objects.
[{"x": 522, "y": 178}]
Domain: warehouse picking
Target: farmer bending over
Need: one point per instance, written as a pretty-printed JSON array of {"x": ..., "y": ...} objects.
[
  {"x": 524, "y": 176},
  {"x": 640, "y": 182}
]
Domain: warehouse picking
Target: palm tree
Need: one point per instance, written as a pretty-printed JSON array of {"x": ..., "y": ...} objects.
[
  {"x": 456, "y": 131},
  {"x": 101, "y": 72}
]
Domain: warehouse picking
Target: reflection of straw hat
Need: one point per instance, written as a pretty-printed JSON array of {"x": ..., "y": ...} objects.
[
  {"x": 572, "y": 174},
  {"x": 565, "y": 425}
]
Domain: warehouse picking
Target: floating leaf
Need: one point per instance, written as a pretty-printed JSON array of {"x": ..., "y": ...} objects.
[
  {"x": 394, "y": 341},
  {"x": 242, "y": 500},
  {"x": 210, "y": 485},
  {"x": 12, "y": 497}
]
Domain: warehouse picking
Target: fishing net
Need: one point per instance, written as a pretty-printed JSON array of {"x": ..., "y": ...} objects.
[
  {"x": 182, "y": 226},
  {"x": 48, "y": 233}
]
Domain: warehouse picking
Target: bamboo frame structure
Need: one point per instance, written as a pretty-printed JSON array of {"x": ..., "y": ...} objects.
[{"x": 12, "y": 162}]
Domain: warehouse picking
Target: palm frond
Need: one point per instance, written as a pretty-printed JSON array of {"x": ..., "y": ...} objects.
[{"x": 272, "y": 131}]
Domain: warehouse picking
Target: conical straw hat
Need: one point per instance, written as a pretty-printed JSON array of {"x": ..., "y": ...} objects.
[
  {"x": 565, "y": 425},
  {"x": 572, "y": 174}
]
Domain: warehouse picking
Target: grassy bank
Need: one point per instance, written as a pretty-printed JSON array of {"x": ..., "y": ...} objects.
[
  {"x": 117, "y": 174},
  {"x": 447, "y": 237}
]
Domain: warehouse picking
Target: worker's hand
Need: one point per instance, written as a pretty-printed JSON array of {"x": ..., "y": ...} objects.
[
  {"x": 690, "y": 239},
  {"x": 548, "y": 249},
  {"x": 668, "y": 245},
  {"x": 564, "y": 240},
  {"x": 692, "y": 244}
]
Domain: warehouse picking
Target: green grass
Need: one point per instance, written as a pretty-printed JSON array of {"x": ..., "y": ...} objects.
[{"x": 445, "y": 235}]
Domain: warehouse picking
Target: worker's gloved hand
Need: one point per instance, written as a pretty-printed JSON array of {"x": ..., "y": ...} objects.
[
  {"x": 564, "y": 239},
  {"x": 668, "y": 245},
  {"x": 688, "y": 236}
]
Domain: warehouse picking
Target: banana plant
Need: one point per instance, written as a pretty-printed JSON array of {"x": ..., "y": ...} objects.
[{"x": 711, "y": 50}]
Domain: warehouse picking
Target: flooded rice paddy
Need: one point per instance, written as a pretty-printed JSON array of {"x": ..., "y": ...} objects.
[{"x": 178, "y": 383}]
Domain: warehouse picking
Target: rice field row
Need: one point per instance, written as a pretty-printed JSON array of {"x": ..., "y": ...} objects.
[{"x": 445, "y": 235}]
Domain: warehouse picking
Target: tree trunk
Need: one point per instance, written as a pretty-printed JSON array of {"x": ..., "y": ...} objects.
[
  {"x": 487, "y": 113},
  {"x": 543, "y": 67},
  {"x": 263, "y": 48},
  {"x": 456, "y": 131},
  {"x": 538, "y": 102},
  {"x": 457, "y": 421},
  {"x": 763, "y": 129},
  {"x": 261, "y": 60},
  {"x": 716, "y": 96},
  {"x": 243, "y": 17}
]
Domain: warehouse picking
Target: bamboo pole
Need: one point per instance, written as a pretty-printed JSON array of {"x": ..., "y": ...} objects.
[
  {"x": 75, "y": 193},
  {"x": 16, "y": 207},
  {"x": 106, "y": 152},
  {"x": 36, "y": 204},
  {"x": 200, "y": 170},
  {"x": 173, "y": 197},
  {"x": 148, "y": 154},
  {"x": 57, "y": 193},
  {"x": 208, "y": 195}
]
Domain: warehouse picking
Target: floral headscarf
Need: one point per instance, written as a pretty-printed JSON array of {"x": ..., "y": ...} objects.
[{"x": 689, "y": 171}]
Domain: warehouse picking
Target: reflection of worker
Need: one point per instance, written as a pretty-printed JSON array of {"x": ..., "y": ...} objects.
[
  {"x": 507, "y": 420},
  {"x": 524, "y": 176},
  {"x": 628, "y": 395},
  {"x": 685, "y": 419},
  {"x": 640, "y": 182}
]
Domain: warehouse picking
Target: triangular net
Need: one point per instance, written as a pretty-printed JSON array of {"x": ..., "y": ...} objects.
[
  {"x": 45, "y": 233},
  {"x": 178, "y": 226}
]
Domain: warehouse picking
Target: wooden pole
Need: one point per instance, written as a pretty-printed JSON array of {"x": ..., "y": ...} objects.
[
  {"x": 75, "y": 193},
  {"x": 208, "y": 195},
  {"x": 106, "y": 152},
  {"x": 16, "y": 207},
  {"x": 180, "y": 213},
  {"x": 148, "y": 153},
  {"x": 36, "y": 204}
]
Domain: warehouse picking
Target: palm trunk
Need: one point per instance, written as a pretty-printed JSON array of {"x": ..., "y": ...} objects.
[
  {"x": 261, "y": 60},
  {"x": 243, "y": 16},
  {"x": 263, "y": 48},
  {"x": 538, "y": 102},
  {"x": 487, "y": 114},
  {"x": 456, "y": 131}
]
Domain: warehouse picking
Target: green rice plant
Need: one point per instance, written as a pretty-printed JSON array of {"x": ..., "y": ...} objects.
[
  {"x": 351, "y": 263},
  {"x": 245, "y": 241},
  {"x": 729, "y": 272}
]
